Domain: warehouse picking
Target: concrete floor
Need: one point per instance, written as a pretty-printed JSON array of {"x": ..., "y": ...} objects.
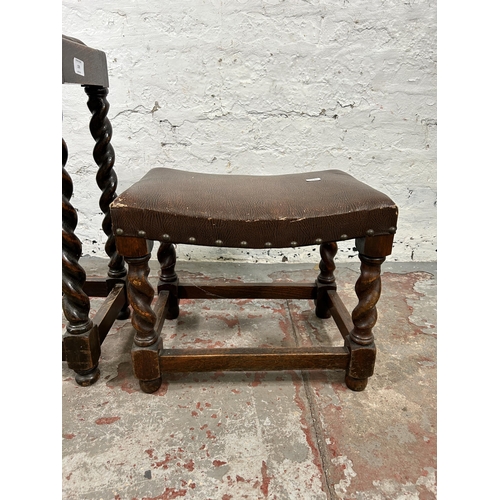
[{"x": 262, "y": 435}]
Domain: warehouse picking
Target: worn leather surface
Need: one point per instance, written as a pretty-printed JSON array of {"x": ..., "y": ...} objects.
[{"x": 263, "y": 211}]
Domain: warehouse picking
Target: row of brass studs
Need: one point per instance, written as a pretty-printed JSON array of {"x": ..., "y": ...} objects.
[{"x": 219, "y": 243}]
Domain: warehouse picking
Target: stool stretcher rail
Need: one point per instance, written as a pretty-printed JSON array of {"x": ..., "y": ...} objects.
[{"x": 253, "y": 359}]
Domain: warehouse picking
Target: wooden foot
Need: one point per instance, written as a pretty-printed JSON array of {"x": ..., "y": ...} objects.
[
  {"x": 87, "y": 378},
  {"x": 150, "y": 386},
  {"x": 82, "y": 351},
  {"x": 326, "y": 279},
  {"x": 356, "y": 384},
  {"x": 146, "y": 365}
]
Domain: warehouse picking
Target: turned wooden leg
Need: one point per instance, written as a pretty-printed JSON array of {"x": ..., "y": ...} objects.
[
  {"x": 147, "y": 343},
  {"x": 81, "y": 339},
  {"x": 326, "y": 278},
  {"x": 168, "y": 278},
  {"x": 360, "y": 340},
  {"x": 104, "y": 156}
]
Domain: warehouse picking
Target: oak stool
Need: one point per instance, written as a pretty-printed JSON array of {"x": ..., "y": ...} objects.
[
  {"x": 84, "y": 335},
  {"x": 177, "y": 207}
]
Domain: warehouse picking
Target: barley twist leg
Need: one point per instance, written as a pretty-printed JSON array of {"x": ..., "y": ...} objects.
[
  {"x": 104, "y": 156},
  {"x": 364, "y": 316},
  {"x": 168, "y": 278},
  {"x": 326, "y": 278},
  {"x": 368, "y": 288},
  {"x": 147, "y": 343},
  {"x": 81, "y": 340}
]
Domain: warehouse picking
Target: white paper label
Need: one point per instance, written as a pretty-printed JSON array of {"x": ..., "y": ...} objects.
[
  {"x": 79, "y": 68},
  {"x": 315, "y": 179}
]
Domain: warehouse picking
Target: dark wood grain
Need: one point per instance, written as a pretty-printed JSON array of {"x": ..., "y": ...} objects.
[
  {"x": 104, "y": 156},
  {"x": 326, "y": 278},
  {"x": 167, "y": 258},
  {"x": 81, "y": 340},
  {"x": 108, "y": 312},
  {"x": 168, "y": 280},
  {"x": 360, "y": 341},
  {"x": 368, "y": 288},
  {"x": 147, "y": 341},
  {"x": 375, "y": 246},
  {"x": 225, "y": 290},
  {"x": 250, "y": 359},
  {"x": 83, "y": 336},
  {"x": 327, "y": 264},
  {"x": 160, "y": 310},
  {"x": 96, "y": 287},
  {"x": 76, "y": 303},
  {"x": 340, "y": 314},
  {"x": 140, "y": 295}
]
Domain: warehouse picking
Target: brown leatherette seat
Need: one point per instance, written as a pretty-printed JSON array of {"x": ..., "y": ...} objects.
[{"x": 252, "y": 211}]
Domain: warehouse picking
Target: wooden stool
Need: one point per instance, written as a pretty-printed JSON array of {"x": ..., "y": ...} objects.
[
  {"x": 238, "y": 211},
  {"x": 81, "y": 343}
]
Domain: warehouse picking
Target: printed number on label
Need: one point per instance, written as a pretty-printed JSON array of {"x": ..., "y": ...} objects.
[{"x": 79, "y": 67}]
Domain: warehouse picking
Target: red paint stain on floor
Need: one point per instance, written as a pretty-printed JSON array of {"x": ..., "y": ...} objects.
[
  {"x": 306, "y": 429},
  {"x": 279, "y": 310},
  {"x": 230, "y": 322},
  {"x": 404, "y": 287},
  {"x": 242, "y": 302},
  {"x": 163, "y": 463},
  {"x": 107, "y": 420},
  {"x": 257, "y": 379},
  {"x": 285, "y": 328},
  {"x": 389, "y": 459},
  {"x": 219, "y": 463},
  {"x": 69, "y": 436},
  {"x": 189, "y": 466},
  {"x": 124, "y": 379},
  {"x": 189, "y": 485},
  {"x": 209, "y": 343},
  {"x": 266, "y": 479}
]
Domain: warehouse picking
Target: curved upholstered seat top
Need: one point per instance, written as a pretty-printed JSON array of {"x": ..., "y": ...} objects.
[{"x": 251, "y": 211}]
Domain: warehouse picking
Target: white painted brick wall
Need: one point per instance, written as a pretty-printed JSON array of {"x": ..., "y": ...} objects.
[{"x": 264, "y": 87}]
